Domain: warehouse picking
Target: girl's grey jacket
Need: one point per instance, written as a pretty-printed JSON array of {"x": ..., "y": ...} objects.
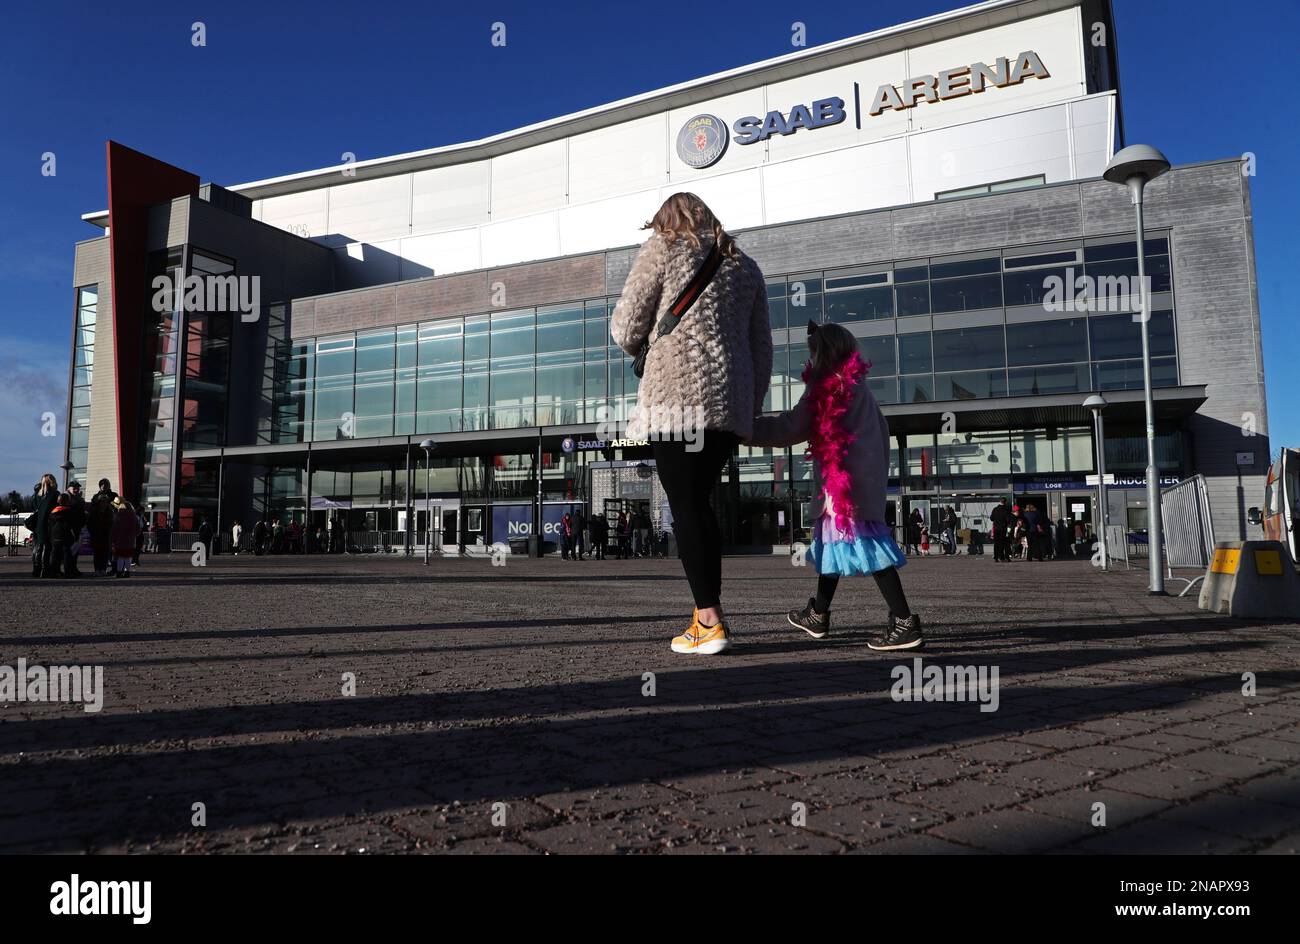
[
  {"x": 713, "y": 370},
  {"x": 867, "y": 460}
]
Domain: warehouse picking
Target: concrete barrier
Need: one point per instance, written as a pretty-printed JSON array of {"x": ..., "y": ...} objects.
[{"x": 1252, "y": 579}]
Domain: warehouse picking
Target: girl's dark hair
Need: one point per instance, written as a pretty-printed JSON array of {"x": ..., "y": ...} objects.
[{"x": 830, "y": 345}]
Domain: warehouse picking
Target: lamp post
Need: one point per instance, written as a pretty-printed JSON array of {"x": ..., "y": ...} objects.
[
  {"x": 427, "y": 446},
  {"x": 67, "y": 468},
  {"x": 1134, "y": 167},
  {"x": 1097, "y": 403}
]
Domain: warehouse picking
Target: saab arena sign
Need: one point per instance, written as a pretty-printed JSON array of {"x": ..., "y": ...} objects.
[
  {"x": 703, "y": 139},
  {"x": 958, "y": 81}
]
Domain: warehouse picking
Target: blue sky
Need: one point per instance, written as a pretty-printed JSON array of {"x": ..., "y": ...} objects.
[{"x": 286, "y": 87}]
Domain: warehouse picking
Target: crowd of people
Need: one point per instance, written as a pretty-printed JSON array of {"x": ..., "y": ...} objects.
[
  {"x": 1016, "y": 533},
  {"x": 273, "y": 536},
  {"x": 631, "y": 533},
  {"x": 115, "y": 529}
]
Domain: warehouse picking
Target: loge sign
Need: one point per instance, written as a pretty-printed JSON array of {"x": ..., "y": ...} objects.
[{"x": 703, "y": 140}]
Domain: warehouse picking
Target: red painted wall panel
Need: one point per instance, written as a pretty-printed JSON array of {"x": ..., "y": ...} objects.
[{"x": 135, "y": 183}]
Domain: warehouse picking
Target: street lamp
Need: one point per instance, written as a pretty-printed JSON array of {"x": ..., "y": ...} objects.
[
  {"x": 427, "y": 446},
  {"x": 1134, "y": 167},
  {"x": 67, "y": 468},
  {"x": 1097, "y": 403}
]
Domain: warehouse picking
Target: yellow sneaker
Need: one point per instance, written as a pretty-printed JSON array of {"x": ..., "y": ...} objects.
[{"x": 702, "y": 640}]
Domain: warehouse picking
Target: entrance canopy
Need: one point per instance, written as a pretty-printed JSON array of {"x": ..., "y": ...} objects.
[{"x": 1123, "y": 406}]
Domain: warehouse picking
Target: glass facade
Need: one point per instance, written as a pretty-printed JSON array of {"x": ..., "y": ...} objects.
[
  {"x": 161, "y": 344},
  {"x": 503, "y": 370},
  {"x": 556, "y": 365},
  {"x": 83, "y": 365}
]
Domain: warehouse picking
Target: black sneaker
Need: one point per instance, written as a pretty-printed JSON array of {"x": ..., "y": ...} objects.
[
  {"x": 900, "y": 634},
  {"x": 817, "y": 625}
]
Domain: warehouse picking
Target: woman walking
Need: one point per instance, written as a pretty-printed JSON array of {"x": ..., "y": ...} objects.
[
  {"x": 46, "y": 500},
  {"x": 849, "y": 441},
  {"x": 700, "y": 304}
]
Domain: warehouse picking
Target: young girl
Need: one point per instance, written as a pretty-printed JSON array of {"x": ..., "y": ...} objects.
[
  {"x": 849, "y": 442},
  {"x": 126, "y": 528}
]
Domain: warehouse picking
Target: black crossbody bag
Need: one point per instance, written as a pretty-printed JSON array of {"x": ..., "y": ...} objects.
[{"x": 681, "y": 305}]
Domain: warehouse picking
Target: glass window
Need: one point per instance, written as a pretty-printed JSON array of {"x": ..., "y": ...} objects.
[
  {"x": 1020, "y": 183},
  {"x": 912, "y": 298},
  {"x": 560, "y": 328},
  {"x": 1158, "y": 246},
  {"x": 970, "y": 385},
  {"x": 1127, "y": 375},
  {"x": 777, "y": 312},
  {"x": 1031, "y": 286},
  {"x": 964, "y": 348},
  {"x": 917, "y": 389},
  {"x": 512, "y": 340},
  {"x": 1032, "y": 381},
  {"x": 879, "y": 353},
  {"x": 1047, "y": 342},
  {"x": 804, "y": 301},
  {"x": 1119, "y": 336},
  {"x": 968, "y": 285},
  {"x": 884, "y": 389},
  {"x": 914, "y": 353},
  {"x": 859, "y": 304},
  {"x": 1039, "y": 260}
]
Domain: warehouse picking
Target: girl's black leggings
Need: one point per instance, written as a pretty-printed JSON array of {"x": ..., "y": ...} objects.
[
  {"x": 891, "y": 588},
  {"x": 688, "y": 478}
]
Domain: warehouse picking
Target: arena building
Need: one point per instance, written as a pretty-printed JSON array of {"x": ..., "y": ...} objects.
[{"x": 926, "y": 185}]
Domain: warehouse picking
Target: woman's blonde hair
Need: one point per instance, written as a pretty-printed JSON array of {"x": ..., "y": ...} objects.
[
  {"x": 683, "y": 215},
  {"x": 48, "y": 481}
]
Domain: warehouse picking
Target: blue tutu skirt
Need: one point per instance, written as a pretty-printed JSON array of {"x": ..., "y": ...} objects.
[{"x": 869, "y": 548}]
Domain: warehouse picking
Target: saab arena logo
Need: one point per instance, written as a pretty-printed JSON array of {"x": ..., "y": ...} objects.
[{"x": 702, "y": 141}]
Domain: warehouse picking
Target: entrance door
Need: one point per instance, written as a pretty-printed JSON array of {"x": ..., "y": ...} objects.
[{"x": 1077, "y": 508}]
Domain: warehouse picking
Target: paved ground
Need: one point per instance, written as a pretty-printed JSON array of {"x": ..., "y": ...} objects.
[{"x": 523, "y": 685}]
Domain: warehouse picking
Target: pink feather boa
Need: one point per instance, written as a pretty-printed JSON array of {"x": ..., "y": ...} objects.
[{"x": 830, "y": 396}]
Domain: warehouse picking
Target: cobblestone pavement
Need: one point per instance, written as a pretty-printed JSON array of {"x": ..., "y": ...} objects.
[{"x": 524, "y": 685}]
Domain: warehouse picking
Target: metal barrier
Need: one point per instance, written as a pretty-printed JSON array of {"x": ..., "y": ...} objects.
[
  {"x": 1188, "y": 530},
  {"x": 1117, "y": 544}
]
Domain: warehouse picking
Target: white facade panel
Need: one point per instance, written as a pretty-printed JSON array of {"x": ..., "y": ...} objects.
[
  {"x": 603, "y": 224},
  {"x": 306, "y": 213},
  {"x": 593, "y": 190},
  {"x": 449, "y": 197},
  {"x": 530, "y": 237},
  {"x": 622, "y": 159},
  {"x": 861, "y": 178},
  {"x": 983, "y": 152},
  {"x": 735, "y": 199},
  {"x": 1092, "y": 124},
  {"x": 371, "y": 210},
  {"x": 1055, "y": 37},
  {"x": 441, "y": 253},
  {"x": 527, "y": 181}
]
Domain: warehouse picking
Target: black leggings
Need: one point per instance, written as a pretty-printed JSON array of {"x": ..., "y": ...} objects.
[
  {"x": 891, "y": 588},
  {"x": 688, "y": 479}
]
